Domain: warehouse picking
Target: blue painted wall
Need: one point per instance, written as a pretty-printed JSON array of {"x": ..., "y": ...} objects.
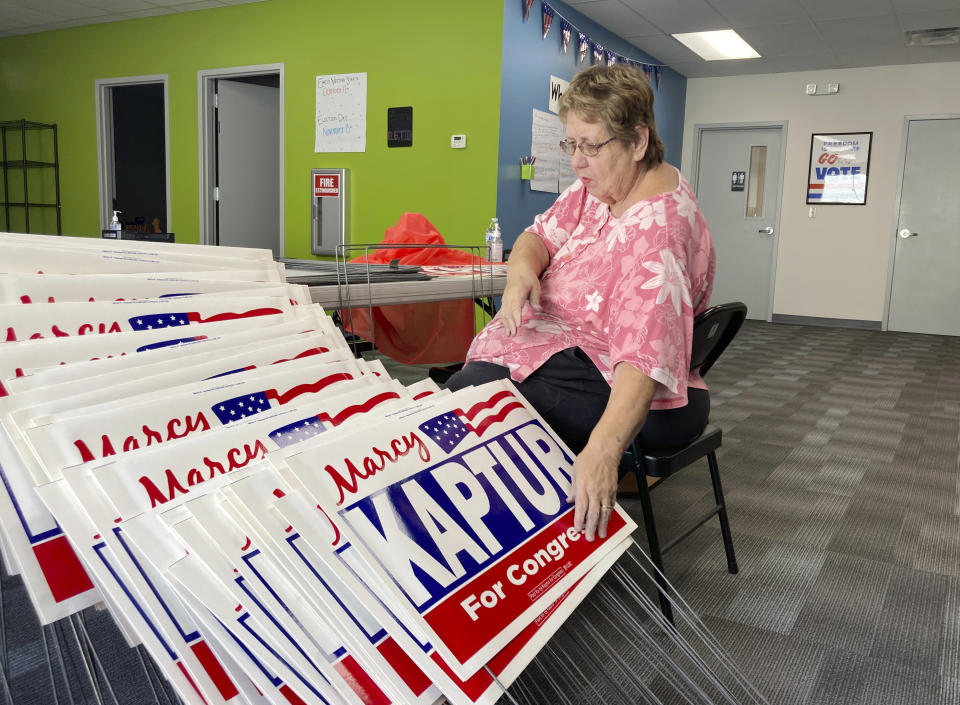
[{"x": 528, "y": 62}]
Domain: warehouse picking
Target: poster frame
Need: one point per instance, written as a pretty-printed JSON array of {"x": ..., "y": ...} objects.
[{"x": 816, "y": 194}]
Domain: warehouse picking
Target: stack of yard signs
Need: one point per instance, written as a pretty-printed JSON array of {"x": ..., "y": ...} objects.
[{"x": 187, "y": 440}]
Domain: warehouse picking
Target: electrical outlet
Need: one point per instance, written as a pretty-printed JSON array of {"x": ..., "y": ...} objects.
[
  {"x": 811, "y": 89},
  {"x": 833, "y": 88}
]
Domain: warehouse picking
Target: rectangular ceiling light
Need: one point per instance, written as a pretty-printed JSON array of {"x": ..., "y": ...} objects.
[{"x": 720, "y": 45}]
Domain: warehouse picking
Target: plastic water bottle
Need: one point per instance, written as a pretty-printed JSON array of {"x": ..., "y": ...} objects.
[{"x": 494, "y": 242}]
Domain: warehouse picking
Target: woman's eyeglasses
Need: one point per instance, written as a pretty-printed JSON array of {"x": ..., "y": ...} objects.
[{"x": 589, "y": 149}]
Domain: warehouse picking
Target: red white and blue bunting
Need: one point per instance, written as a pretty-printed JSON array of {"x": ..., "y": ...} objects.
[{"x": 586, "y": 46}]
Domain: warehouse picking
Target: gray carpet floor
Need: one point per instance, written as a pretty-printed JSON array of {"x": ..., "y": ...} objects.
[
  {"x": 840, "y": 465},
  {"x": 840, "y": 469}
]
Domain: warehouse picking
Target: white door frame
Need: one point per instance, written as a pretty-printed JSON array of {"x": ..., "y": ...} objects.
[
  {"x": 699, "y": 129},
  {"x": 892, "y": 252},
  {"x": 205, "y": 79},
  {"x": 106, "y": 171}
]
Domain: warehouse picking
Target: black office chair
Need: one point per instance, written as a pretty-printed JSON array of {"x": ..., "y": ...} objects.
[{"x": 712, "y": 332}]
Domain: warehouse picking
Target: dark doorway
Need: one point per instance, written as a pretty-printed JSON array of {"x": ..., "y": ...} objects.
[{"x": 139, "y": 151}]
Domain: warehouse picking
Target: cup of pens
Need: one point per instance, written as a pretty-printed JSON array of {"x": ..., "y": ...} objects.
[{"x": 526, "y": 168}]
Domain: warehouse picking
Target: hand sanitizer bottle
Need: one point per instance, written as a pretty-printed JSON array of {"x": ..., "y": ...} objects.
[
  {"x": 494, "y": 242},
  {"x": 115, "y": 224}
]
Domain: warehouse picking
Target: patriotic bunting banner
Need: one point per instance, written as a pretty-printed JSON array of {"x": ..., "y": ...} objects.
[
  {"x": 548, "y": 15},
  {"x": 585, "y": 44},
  {"x": 597, "y": 53}
]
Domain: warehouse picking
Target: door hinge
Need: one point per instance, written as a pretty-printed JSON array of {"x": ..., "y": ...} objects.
[
  {"x": 216, "y": 193},
  {"x": 216, "y": 100}
]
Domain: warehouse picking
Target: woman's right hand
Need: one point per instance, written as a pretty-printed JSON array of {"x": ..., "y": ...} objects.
[{"x": 521, "y": 287}]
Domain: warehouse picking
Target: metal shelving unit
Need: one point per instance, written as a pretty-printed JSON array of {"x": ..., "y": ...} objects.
[{"x": 16, "y": 164}]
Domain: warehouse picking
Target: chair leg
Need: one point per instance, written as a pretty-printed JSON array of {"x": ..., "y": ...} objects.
[
  {"x": 722, "y": 512},
  {"x": 655, "y": 554}
]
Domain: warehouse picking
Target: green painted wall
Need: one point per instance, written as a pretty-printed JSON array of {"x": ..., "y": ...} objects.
[{"x": 441, "y": 57}]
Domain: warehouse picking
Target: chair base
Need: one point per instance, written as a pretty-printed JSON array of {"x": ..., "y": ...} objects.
[{"x": 664, "y": 465}]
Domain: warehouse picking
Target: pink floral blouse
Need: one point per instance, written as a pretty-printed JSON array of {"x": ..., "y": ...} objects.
[{"x": 622, "y": 289}]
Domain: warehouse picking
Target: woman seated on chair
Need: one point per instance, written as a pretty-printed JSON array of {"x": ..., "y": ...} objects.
[{"x": 597, "y": 315}]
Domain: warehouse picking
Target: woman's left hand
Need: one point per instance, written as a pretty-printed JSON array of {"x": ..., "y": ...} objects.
[{"x": 594, "y": 490}]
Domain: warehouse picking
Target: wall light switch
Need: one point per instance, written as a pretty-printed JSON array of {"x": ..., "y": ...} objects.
[
  {"x": 812, "y": 213},
  {"x": 458, "y": 141},
  {"x": 811, "y": 89}
]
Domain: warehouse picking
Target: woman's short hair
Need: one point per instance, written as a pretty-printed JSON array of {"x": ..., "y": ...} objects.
[{"x": 620, "y": 97}]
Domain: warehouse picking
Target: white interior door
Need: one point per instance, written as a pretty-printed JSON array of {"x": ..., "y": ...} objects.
[
  {"x": 738, "y": 185},
  {"x": 925, "y": 286},
  {"x": 248, "y": 165}
]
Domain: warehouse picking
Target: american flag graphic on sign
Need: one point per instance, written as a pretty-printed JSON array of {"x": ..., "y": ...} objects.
[
  {"x": 242, "y": 407},
  {"x": 152, "y": 321},
  {"x": 159, "y": 320},
  {"x": 313, "y": 425},
  {"x": 449, "y": 429},
  {"x": 296, "y": 432}
]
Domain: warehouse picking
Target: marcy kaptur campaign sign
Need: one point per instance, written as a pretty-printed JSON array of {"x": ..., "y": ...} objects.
[
  {"x": 61, "y": 288},
  {"x": 21, "y": 360},
  {"x": 42, "y": 320},
  {"x": 121, "y": 425},
  {"x": 56, "y": 582},
  {"x": 460, "y": 511},
  {"x": 137, "y": 592}
]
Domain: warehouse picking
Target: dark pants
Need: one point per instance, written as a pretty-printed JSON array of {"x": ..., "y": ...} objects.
[{"x": 571, "y": 394}]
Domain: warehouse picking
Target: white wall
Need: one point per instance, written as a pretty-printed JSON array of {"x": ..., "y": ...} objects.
[{"x": 834, "y": 265}]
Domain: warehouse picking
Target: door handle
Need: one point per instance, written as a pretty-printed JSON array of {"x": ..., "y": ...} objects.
[
  {"x": 905, "y": 233},
  {"x": 766, "y": 231}
]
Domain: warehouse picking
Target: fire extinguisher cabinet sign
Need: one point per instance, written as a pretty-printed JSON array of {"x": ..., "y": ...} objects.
[{"x": 329, "y": 210}]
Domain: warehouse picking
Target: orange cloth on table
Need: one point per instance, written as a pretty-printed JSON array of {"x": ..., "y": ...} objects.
[{"x": 423, "y": 333}]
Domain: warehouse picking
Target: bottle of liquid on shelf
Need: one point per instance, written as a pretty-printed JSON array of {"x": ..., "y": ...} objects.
[
  {"x": 115, "y": 224},
  {"x": 494, "y": 242}
]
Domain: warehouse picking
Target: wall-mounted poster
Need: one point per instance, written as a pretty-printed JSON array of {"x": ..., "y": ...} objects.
[{"x": 839, "y": 162}]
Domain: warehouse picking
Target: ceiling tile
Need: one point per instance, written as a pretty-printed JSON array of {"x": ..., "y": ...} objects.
[
  {"x": 170, "y": 3},
  {"x": 67, "y": 9},
  {"x": 924, "y": 55},
  {"x": 199, "y": 5},
  {"x": 675, "y": 16},
  {"x": 929, "y": 20},
  {"x": 831, "y": 9},
  {"x": 9, "y": 20},
  {"x": 751, "y": 13},
  {"x": 777, "y": 40},
  {"x": 120, "y": 5},
  {"x": 152, "y": 12},
  {"x": 19, "y": 15},
  {"x": 613, "y": 13},
  {"x": 921, "y": 5},
  {"x": 889, "y": 56},
  {"x": 862, "y": 34}
]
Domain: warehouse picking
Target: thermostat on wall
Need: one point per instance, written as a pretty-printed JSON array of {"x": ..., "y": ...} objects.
[{"x": 458, "y": 141}]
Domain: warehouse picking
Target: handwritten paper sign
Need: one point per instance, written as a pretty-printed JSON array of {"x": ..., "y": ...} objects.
[
  {"x": 557, "y": 88},
  {"x": 341, "y": 113},
  {"x": 553, "y": 173}
]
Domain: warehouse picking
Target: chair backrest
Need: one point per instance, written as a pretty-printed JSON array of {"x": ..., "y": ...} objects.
[{"x": 712, "y": 332}]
